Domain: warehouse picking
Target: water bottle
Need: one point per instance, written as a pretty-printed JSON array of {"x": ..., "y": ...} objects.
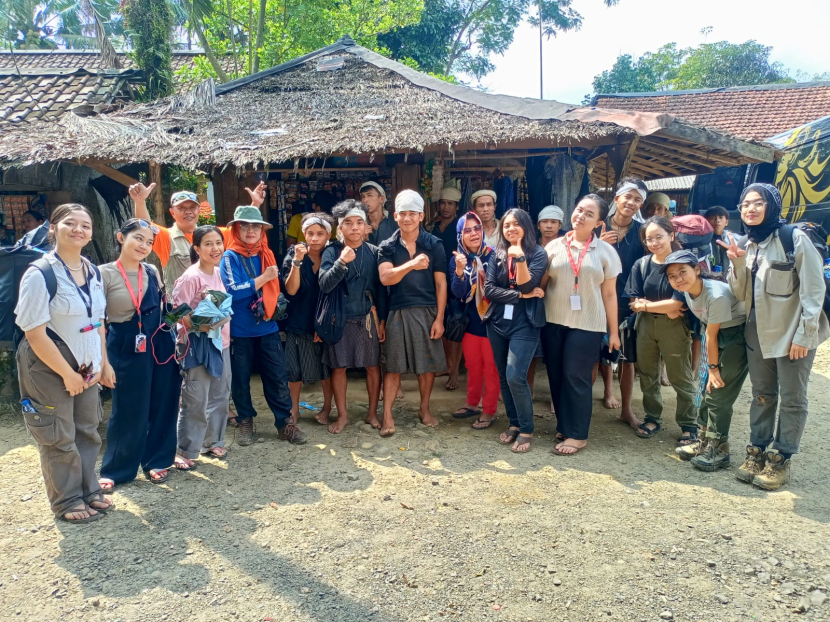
[
  {"x": 827, "y": 268},
  {"x": 27, "y": 405},
  {"x": 719, "y": 270}
]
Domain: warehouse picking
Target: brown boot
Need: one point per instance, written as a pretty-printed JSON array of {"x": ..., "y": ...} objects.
[
  {"x": 687, "y": 452},
  {"x": 755, "y": 462},
  {"x": 292, "y": 434},
  {"x": 775, "y": 474},
  {"x": 245, "y": 432}
]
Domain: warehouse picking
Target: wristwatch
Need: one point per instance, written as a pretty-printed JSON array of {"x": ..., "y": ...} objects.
[
  {"x": 715, "y": 366},
  {"x": 521, "y": 259},
  {"x": 297, "y": 262}
]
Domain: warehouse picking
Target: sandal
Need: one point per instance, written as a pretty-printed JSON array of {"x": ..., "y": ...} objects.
[
  {"x": 89, "y": 519},
  {"x": 559, "y": 452},
  {"x": 522, "y": 440},
  {"x": 647, "y": 432},
  {"x": 100, "y": 499},
  {"x": 184, "y": 466},
  {"x": 151, "y": 475},
  {"x": 220, "y": 453},
  {"x": 106, "y": 483},
  {"x": 466, "y": 411},
  {"x": 483, "y": 424},
  {"x": 683, "y": 441},
  {"x": 510, "y": 437}
]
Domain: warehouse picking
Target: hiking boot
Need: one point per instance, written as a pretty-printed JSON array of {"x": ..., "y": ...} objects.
[
  {"x": 775, "y": 474},
  {"x": 687, "y": 452},
  {"x": 245, "y": 432},
  {"x": 714, "y": 456},
  {"x": 755, "y": 462},
  {"x": 292, "y": 434}
]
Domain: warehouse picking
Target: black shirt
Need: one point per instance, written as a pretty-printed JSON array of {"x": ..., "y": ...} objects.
[
  {"x": 386, "y": 227},
  {"x": 528, "y": 313},
  {"x": 361, "y": 275},
  {"x": 630, "y": 249},
  {"x": 448, "y": 237},
  {"x": 302, "y": 306},
  {"x": 646, "y": 281},
  {"x": 417, "y": 287}
]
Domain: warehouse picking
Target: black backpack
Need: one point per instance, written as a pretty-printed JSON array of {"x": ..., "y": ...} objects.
[
  {"x": 818, "y": 236},
  {"x": 48, "y": 273},
  {"x": 330, "y": 317}
]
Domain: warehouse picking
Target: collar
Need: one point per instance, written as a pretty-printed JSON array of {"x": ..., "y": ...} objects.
[
  {"x": 424, "y": 239},
  {"x": 591, "y": 245},
  {"x": 765, "y": 243}
]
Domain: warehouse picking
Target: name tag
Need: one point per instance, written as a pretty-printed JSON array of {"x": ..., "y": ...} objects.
[
  {"x": 576, "y": 303},
  {"x": 508, "y": 312}
]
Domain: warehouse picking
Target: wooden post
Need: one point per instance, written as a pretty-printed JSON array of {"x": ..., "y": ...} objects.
[{"x": 158, "y": 199}]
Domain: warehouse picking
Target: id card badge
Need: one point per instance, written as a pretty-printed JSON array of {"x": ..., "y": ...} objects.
[
  {"x": 508, "y": 312},
  {"x": 576, "y": 303},
  {"x": 140, "y": 343}
]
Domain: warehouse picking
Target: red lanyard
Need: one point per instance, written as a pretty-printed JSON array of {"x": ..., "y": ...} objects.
[
  {"x": 136, "y": 299},
  {"x": 512, "y": 271},
  {"x": 576, "y": 267}
]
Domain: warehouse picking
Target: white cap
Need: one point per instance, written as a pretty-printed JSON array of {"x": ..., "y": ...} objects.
[
  {"x": 373, "y": 184},
  {"x": 409, "y": 201}
]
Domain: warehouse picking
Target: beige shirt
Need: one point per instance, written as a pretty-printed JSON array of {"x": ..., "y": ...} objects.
[
  {"x": 600, "y": 264},
  {"x": 492, "y": 240},
  {"x": 119, "y": 304}
]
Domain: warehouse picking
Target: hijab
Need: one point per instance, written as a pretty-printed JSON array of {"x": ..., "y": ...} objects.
[
  {"x": 772, "y": 216},
  {"x": 271, "y": 290},
  {"x": 474, "y": 271}
]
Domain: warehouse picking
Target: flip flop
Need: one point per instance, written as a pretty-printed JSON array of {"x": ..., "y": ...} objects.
[
  {"x": 483, "y": 424},
  {"x": 524, "y": 441},
  {"x": 556, "y": 452},
  {"x": 106, "y": 480},
  {"x": 210, "y": 452},
  {"x": 465, "y": 412},
  {"x": 80, "y": 521},
  {"x": 109, "y": 508},
  {"x": 648, "y": 432},
  {"x": 157, "y": 480},
  {"x": 178, "y": 466},
  {"x": 510, "y": 438}
]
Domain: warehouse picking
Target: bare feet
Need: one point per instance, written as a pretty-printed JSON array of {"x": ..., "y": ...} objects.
[
  {"x": 452, "y": 383},
  {"x": 427, "y": 419},
  {"x": 631, "y": 419},
  {"x": 610, "y": 401},
  {"x": 373, "y": 421},
  {"x": 322, "y": 417},
  {"x": 399, "y": 396},
  {"x": 552, "y": 411},
  {"x": 388, "y": 427},
  {"x": 337, "y": 426},
  {"x": 664, "y": 379}
]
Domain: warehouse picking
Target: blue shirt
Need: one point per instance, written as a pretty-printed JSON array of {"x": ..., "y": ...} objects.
[{"x": 241, "y": 286}]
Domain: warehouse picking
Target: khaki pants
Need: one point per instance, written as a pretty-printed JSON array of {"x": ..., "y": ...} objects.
[
  {"x": 65, "y": 429},
  {"x": 203, "y": 417},
  {"x": 658, "y": 335},
  {"x": 715, "y": 412}
]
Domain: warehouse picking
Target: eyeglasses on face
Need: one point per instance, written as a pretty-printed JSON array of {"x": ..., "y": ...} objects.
[
  {"x": 474, "y": 229},
  {"x": 250, "y": 226},
  {"x": 656, "y": 239},
  {"x": 755, "y": 206}
]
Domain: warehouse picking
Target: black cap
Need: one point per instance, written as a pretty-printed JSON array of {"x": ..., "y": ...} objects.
[{"x": 686, "y": 257}]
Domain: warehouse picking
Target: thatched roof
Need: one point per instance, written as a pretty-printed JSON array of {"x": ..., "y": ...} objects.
[{"x": 345, "y": 99}]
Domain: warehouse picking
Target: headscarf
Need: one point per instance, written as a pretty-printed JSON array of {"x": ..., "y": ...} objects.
[
  {"x": 409, "y": 201},
  {"x": 551, "y": 212},
  {"x": 772, "y": 217},
  {"x": 630, "y": 185},
  {"x": 474, "y": 271},
  {"x": 271, "y": 290},
  {"x": 450, "y": 193}
]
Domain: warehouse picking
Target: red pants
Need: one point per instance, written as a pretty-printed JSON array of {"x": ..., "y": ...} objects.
[{"x": 482, "y": 374}]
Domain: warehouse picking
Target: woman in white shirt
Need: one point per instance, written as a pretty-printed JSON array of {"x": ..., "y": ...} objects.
[{"x": 60, "y": 363}]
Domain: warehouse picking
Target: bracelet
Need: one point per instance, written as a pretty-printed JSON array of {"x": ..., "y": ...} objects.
[
  {"x": 645, "y": 305},
  {"x": 297, "y": 263},
  {"x": 715, "y": 366}
]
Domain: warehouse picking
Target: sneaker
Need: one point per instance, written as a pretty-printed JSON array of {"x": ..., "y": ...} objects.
[
  {"x": 755, "y": 462},
  {"x": 245, "y": 432},
  {"x": 775, "y": 474},
  {"x": 292, "y": 434},
  {"x": 715, "y": 456},
  {"x": 687, "y": 452}
]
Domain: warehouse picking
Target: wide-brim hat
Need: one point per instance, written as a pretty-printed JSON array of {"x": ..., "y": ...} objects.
[{"x": 250, "y": 214}]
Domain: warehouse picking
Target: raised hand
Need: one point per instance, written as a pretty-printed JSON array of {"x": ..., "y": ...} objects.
[
  {"x": 347, "y": 254},
  {"x": 733, "y": 251},
  {"x": 421, "y": 262},
  {"x": 537, "y": 292},
  {"x": 460, "y": 263},
  {"x": 607, "y": 236},
  {"x": 271, "y": 273},
  {"x": 300, "y": 251},
  {"x": 140, "y": 192},
  {"x": 257, "y": 194}
]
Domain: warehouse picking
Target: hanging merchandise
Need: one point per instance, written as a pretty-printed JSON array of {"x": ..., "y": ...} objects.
[
  {"x": 522, "y": 196},
  {"x": 564, "y": 176},
  {"x": 506, "y": 199}
]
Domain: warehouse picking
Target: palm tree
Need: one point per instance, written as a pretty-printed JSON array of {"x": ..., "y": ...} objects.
[{"x": 34, "y": 24}]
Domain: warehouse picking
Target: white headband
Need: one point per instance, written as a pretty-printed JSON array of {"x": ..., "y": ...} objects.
[
  {"x": 631, "y": 186},
  {"x": 409, "y": 201},
  {"x": 355, "y": 211},
  {"x": 373, "y": 184},
  {"x": 316, "y": 220}
]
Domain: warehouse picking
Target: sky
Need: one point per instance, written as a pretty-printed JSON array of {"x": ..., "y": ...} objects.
[{"x": 634, "y": 27}]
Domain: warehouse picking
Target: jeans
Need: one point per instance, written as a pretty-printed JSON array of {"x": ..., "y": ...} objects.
[
  {"x": 771, "y": 379},
  {"x": 268, "y": 353},
  {"x": 570, "y": 354},
  {"x": 513, "y": 357}
]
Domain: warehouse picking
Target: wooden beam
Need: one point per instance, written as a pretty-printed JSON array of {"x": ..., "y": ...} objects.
[
  {"x": 158, "y": 200},
  {"x": 677, "y": 159},
  {"x": 669, "y": 171},
  {"x": 112, "y": 173},
  {"x": 620, "y": 157},
  {"x": 708, "y": 138},
  {"x": 674, "y": 145}
]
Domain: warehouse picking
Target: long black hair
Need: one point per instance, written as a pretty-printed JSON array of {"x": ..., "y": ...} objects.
[
  {"x": 198, "y": 234},
  {"x": 128, "y": 227},
  {"x": 526, "y": 223}
]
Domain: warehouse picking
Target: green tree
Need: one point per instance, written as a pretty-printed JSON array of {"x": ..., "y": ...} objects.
[
  {"x": 39, "y": 24},
  {"x": 150, "y": 28}
]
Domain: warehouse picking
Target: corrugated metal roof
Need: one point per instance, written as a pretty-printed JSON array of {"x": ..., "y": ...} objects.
[{"x": 671, "y": 183}]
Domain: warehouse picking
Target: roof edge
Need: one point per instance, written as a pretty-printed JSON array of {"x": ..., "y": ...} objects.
[{"x": 725, "y": 89}]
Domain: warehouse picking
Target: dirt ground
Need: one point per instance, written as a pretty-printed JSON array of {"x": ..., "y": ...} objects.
[{"x": 441, "y": 524}]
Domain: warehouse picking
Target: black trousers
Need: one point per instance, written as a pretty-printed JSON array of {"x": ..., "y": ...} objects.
[
  {"x": 570, "y": 354},
  {"x": 268, "y": 353}
]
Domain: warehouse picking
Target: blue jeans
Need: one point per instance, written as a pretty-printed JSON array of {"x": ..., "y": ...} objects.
[
  {"x": 513, "y": 357},
  {"x": 268, "y": 353}
]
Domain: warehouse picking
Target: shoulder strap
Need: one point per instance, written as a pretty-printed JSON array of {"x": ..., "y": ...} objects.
[
  {"x": 785, "y": 234},
  {"x": 48, "y": 273}
]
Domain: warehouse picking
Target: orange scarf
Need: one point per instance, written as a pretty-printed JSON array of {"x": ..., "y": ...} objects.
[{"x": 271, "y": 290}]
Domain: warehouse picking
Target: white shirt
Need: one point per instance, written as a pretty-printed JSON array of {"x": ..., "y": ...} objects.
[{"x": 66, "y": 314}]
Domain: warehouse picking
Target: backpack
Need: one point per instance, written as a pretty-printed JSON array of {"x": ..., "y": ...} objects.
[
  {"x": 694, "y": 233},
  {"x": 818, "y": 236},
  {"x": 48, "y": 273},
  {"x": 330, "y": 317}
]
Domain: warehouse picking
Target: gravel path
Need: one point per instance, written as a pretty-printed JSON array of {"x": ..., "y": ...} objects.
[{"x": 439, "y": 524}]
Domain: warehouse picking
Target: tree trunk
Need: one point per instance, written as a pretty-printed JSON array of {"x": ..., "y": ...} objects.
[
  {"x": 217, "y": 67},
  {"x": 260, "y": 32},
  {"x": 232, "y": 39}
]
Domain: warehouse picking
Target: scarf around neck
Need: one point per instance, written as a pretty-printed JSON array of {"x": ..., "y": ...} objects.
[
  {"x": 474, "y": 271},
  {"x": 271, "y": 290}
]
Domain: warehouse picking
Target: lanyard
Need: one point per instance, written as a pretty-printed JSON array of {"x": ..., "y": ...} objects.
[
  {"x": 512, "y": 271},
  {"x": 576, "y": 267},
  {"x": 87, "y": 302},
  {"x": 135, "y": 298}
]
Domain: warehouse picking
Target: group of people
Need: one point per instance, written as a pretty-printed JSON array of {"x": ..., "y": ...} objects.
[{"x": 177, "y": 347}]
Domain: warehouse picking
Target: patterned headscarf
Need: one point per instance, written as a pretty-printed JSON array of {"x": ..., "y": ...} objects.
[{"x": 474, "y": 271}]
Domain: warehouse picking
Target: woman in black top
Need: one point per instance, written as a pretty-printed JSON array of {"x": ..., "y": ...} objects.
[
  {"x": 303, "y": 349},
  {"x": 514, "y": 319},
  {"x": 661, "y": 331}
]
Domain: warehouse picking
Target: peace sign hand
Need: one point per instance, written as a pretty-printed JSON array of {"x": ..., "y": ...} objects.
[
  {"x": 608, "y": 236},
  {"x": 733, "y": 251}
]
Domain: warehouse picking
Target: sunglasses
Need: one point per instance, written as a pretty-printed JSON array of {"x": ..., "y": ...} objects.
[
  {"x": 148, "y": 225},
  {"x": 183, "y": 196},
  {"x": 476, "y": 229}
]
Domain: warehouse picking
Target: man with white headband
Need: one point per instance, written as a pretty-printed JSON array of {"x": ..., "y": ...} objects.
[
  {"x": 622, "y": 231},
  {"x": 381, "y": 224},
  {"x": 549, "y": 223},
  {"x": 483, "y": 203},
  {"x": 445, "y": 230},
  {"x": 356, "y": 261},
  {"x": 413, "y": 265}
]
